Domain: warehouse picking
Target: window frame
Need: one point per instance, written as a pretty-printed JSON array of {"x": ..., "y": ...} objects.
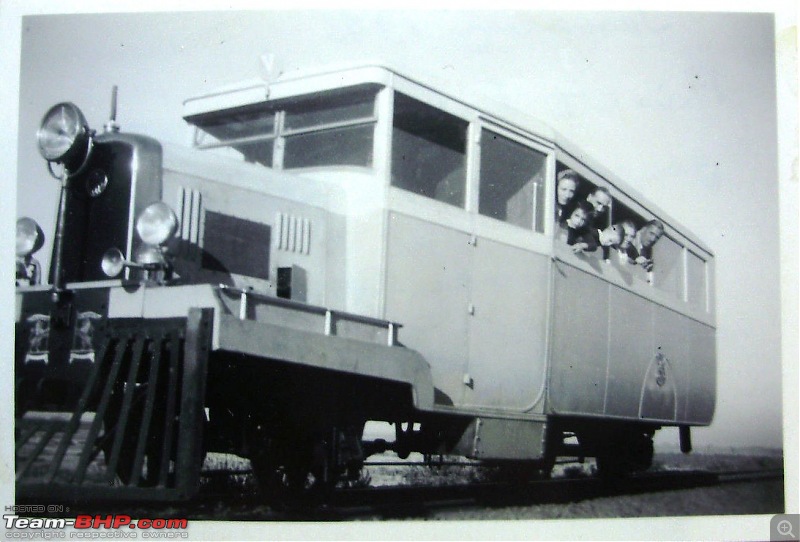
[
  {"x": 705, "y": 303},
  {"x": 458, "y": 113},
  {"x": 681, "y": 294},
  {"x": 280, "y": 133},
  {"x": 467, "y": 217},
  {"x": 474, "y": 179}
]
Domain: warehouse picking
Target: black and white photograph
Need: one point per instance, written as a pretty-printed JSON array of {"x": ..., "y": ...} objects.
[{"x": 413, "y": 272}]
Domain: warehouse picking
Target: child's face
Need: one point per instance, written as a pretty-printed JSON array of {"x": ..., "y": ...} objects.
[
  {"x": 577, "y": 219},
  {"x": 566, "y": 191}
]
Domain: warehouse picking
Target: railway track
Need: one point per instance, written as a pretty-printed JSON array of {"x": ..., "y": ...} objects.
[{"x": 396, "y": 502}]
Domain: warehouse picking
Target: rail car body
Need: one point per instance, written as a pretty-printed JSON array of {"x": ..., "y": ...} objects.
[{"x": 352, "y": 245}]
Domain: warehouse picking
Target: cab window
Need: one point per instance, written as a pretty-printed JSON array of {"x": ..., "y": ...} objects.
[
  {"x": 331, "y": 128},
  {"x": 428, "y": 151},
  {"x": 250, "y": 131},
  {"x": 511, "y": 181},
  {"x": 335, "y": 128}
]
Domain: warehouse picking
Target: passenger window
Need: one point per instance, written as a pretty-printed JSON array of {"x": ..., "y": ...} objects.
[
  {"x": 511, "y": 182},
  {"x": 696, "y": 280},
  {"x": 571, "y": 190},
  {"x": 582, "y": 213},
  {"x": 428, "y": 151},
  {"x": 668, "y": 266}
]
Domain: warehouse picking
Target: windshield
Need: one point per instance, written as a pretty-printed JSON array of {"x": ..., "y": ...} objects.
[{"x": 331, "y": 128}]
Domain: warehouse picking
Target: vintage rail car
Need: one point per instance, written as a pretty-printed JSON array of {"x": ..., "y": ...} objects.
[{"x": 341, "y": 247}]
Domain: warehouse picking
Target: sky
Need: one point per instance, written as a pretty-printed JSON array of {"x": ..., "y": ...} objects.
[{"x": 680, "y": 105}]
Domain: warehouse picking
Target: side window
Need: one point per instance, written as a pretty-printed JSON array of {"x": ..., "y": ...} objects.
[
  {"x": 428, "y": 151},
  {"x": 573, "y": 190},
  {"x": 668, "y": 266},
  {"x": 582, "y": 208},
  {"x": 511, "y": 181},
  {"x": 696, "y": 280}
]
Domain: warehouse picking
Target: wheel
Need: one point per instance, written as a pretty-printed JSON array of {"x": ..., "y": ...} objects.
[
  {"x": 293, "y": 476},
  {"x": 624, "y": 454}
]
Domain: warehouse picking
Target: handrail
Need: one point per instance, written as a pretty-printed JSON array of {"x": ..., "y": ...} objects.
[{"x": 246, "y": 294}]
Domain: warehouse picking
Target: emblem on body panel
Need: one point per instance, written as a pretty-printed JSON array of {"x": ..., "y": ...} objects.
[
  {"x": 38, "y": 338},
  {"x": 661, "y": 369},
  {"x": 659, "y": 399},
  {"x": 83, "y": 341}
]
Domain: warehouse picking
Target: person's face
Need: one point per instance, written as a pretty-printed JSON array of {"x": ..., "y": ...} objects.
[
  {"x": 577, "y": 219},
  {"x": 650, "y": 236},
  {"x": 600, "y": 201},
  {"x": 566, "y": 191},
  {"x": 610, "y": 237},
  {"x": 628, "y": 236}
]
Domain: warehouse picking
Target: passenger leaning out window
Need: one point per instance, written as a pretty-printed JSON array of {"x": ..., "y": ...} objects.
[
  {"x": 641, "y": 249},
  {"x": 608, "y": 238},
  {"x": 628, "y": 235},
  {"x": 579, "y": 234},
  {"x": 600, "y": 201},
  {"x": 568, "y": 182}
]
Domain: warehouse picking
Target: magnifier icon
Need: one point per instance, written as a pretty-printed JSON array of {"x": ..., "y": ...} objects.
[{"x": 785, "y": 528}]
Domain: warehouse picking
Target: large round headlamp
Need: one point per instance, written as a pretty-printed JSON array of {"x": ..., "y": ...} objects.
[
  {"x": 30, "y": 236},
  {"x": 157, "y": 224},
  {"x": 63, "y": 136}
]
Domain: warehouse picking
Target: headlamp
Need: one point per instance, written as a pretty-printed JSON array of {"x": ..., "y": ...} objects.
[
  {"x": 149, "y": 255},
  {"x": 63, "y": 135},
  {"x": 113, "y": 262},
  {"x": 157, "y": 224},
  {"x": 30, "y": 236}
]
